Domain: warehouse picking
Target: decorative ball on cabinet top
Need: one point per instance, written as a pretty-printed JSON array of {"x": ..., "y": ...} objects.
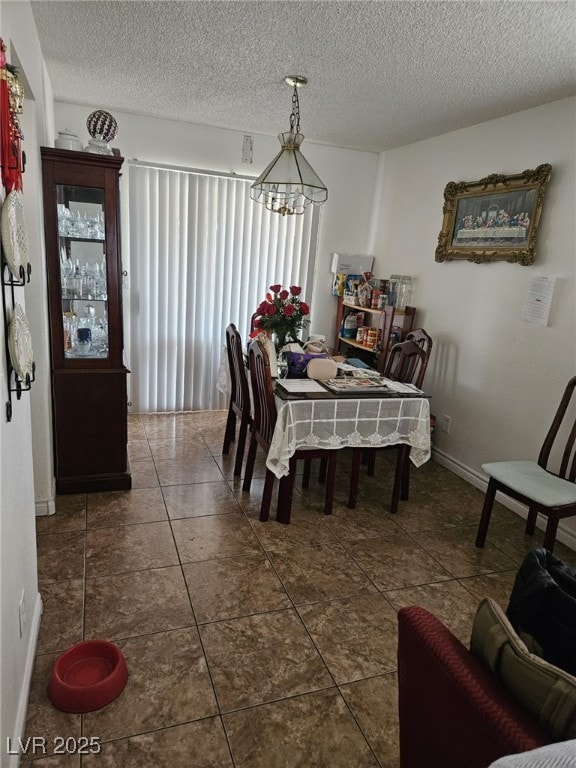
[{"x": 102, "y": 125}]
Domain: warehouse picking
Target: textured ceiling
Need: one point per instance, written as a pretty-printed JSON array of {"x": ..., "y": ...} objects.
[{"x": 381, "y": 74}]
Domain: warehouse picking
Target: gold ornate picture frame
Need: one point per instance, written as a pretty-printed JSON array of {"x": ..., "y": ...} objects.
[{"x": 494, "y": 219}]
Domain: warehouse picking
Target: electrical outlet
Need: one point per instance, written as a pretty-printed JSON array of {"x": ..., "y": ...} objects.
[
  {"x": 446, "y": 424},
  {"x": 22, "y": 612}
]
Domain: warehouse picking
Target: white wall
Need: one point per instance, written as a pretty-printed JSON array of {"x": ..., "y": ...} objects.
[
  {"x": 349, "y": 175},
  {"x": 499, "y": 378},
  {"x": 37, "y": 310},
  {"x": 17, "y": 505}
]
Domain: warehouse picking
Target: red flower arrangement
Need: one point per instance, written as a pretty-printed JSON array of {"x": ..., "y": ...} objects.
[{"x": 282, "y": 313}]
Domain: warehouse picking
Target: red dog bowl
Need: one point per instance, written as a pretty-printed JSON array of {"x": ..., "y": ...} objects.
[{"x": 87, "y": 676}]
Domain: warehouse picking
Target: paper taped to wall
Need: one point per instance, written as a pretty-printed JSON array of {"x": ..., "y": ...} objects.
[{"x": 539, "y": 300}]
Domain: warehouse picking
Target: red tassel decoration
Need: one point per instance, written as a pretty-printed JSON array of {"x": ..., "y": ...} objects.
[
  {"x": 4, "y": 115},
  {"x": 10, "y": 152}
]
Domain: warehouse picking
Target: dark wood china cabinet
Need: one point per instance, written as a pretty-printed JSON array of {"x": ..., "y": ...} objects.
[{"x": 89, "y": 396}]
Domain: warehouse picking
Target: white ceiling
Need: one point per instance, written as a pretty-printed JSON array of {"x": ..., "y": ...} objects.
[{"x": 381, "y": 74}]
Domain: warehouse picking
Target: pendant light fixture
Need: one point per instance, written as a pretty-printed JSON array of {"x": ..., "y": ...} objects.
[{"x": 289, "y": 184}]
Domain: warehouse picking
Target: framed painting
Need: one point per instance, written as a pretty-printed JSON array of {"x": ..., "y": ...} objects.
[{"x": 494, "y": 219}]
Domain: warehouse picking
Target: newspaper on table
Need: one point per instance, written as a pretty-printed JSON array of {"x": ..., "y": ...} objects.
[{"x": 370, "y": 384}]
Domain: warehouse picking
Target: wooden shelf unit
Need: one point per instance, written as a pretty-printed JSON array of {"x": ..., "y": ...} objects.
[{"x": 386, "y": 319}]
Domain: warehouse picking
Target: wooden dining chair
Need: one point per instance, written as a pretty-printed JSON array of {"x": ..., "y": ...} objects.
[
  {"x": 412, "y": 373},
  {"x": 406, "y": 363},
  {"x": 535, "y": 483},
  {"x": 264, "y": 422},
  {"x": 424, "y": 341},
  {"x": 239, "y": 398}
]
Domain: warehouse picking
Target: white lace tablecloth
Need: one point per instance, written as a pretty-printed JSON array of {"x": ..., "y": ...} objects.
[{"x": 340, "y": 423}]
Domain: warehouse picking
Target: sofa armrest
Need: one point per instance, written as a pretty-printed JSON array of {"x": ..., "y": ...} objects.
[{"x": 453, "y": 712}]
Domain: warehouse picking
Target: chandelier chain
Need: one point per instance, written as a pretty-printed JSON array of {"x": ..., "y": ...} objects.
[{"x": 295, "y": 116}]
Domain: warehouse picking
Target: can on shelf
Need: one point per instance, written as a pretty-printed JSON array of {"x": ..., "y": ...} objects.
[
  {"x": 360, "y": 334},
  {"x": 376, "y": 299},
  {"x": 371, "y": 337}
]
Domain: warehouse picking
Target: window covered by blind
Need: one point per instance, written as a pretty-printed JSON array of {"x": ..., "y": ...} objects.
[{"x": 201, "y": 255}]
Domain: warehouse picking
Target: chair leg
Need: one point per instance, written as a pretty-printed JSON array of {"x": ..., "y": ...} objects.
[
  {"x": 230, "y": 430},
  {"x": 370, "y": 461},
  {"x": 266, "y": 497},
  {"x": 250, "y": 461},
  {"x": 330, "y": 482},
  {"x": 306, "y": 473},
  {"x": 550, "y": 534},
  {"x": 403, "y": 451},
  {"x": 486, "y": 513},
  {"x": 405, "y": 489},
  {"x": 354, "y": 477},
  {"x": 285, "y": 492},
  {"x": 240, "y": 447},
  {"x": 531, "y": 520},
  {"x": 323, "y": 469}
]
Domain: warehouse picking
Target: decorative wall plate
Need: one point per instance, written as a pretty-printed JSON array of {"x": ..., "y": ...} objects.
[
  {"x": 14, "y": 238},
  {"x": 20, "y": 344}
]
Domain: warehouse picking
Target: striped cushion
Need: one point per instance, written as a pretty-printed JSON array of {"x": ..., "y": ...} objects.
[{"x": 546, "y": 691}]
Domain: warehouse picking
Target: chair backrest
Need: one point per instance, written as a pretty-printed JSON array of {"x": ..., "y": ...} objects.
[
  {"x": 386, "y": 324},
  {"x": 406, "y": 363},
  {"x": 240, "y": 394},
  {"x": 265, "y": 413},
  {"x": 564, "y": 424},
  {"x": 421, "y": 338},
  {"x": 424, "y": 341}
]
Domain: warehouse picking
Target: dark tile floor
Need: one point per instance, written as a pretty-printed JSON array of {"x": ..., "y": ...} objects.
[{"x": 253, "y": 645}]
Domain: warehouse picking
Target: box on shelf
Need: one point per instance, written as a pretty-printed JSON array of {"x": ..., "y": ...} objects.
[{"x": 347, "y": 263}]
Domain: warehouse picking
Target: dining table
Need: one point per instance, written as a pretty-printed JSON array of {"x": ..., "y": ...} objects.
[{"x": 310, "y": 416}]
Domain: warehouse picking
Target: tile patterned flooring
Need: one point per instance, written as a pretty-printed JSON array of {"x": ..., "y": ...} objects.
[{"x": 253, "y": 645}]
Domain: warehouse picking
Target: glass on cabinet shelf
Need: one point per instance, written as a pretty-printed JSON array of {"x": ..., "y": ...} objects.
[
  {"x": 85, "y": 330},
  {"x": 75, "y": 295},
  {"x": 83, "y": 280},
  {"x": 86, "y": 224},
  {"x": 83, "y": 271}
]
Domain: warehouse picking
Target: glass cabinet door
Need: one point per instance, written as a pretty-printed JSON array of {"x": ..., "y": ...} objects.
[{"x": 83, "y": 272}]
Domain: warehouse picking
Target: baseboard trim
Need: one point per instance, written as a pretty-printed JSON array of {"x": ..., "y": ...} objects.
[
  {"x": 20, "y": 724},
  {"x": 471, "y": 476},
  {"x": 47, "y": 507},
  {"x": 480, "y": 481}
]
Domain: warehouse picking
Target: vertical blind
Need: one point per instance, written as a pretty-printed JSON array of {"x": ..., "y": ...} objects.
[{"x": 201, "y": 255}]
